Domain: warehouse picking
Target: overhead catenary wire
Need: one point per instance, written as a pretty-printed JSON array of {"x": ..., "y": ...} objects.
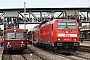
[
  {"x": 60, "y": 4},
  {"x": 63, "y": 3},
  {"x": 79, "y": 3}
]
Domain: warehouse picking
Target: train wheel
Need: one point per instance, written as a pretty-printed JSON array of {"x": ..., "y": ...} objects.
[
  {"x": 38, "y": 44},
  {"x": 49, "y": 47}
]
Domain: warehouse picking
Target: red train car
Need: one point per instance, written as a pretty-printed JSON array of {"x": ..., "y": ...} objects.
[
  {"x": 15, "y": 39},
  {"x": 59, "y": 34},
  {"x": 33, "y": 35}
]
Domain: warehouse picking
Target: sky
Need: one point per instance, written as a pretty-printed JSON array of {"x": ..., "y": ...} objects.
[{"x": 43, "y": 3}]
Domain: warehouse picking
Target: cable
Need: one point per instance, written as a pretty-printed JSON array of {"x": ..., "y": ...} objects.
[
  {"x": 63, "y": 3},
  {"x": 52, "y": 2}
]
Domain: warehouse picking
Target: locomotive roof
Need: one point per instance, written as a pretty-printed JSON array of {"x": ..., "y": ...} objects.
[
  {"x": 17, "y": 30},
  {"x": 62, "y": 20},
  {"x": 66, "y": 20}
]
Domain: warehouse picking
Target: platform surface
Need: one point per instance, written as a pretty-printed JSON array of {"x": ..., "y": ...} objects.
[
  {"x": 1, "y": 51},
  {"x": 85, "y": 43}
]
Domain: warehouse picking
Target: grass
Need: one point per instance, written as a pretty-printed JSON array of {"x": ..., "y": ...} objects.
[
  {"x": 6, "y": 57},
  {"x": 33, "y": 56}
]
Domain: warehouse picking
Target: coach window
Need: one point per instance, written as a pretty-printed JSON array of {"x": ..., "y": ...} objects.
[
  {"x": 19, "y": 35},
  {"x": 10, "y": 35}
]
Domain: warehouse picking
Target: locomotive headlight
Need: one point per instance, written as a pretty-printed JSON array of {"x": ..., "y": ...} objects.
[
  {"x": 8, "y": 42},
  {"x": 14, "y": 30},
  {"x": 8, "y": 45},
  {"x": 74, "y": 39},
  {"x": 59, "y": 39},
  {"x": 22, "y": 44}
]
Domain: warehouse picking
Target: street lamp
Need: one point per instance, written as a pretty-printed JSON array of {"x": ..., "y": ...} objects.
[{"x": 24, "y": 15}]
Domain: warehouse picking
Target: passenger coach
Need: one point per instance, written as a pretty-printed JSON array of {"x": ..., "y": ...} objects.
[{"x": 15, "y": 39}]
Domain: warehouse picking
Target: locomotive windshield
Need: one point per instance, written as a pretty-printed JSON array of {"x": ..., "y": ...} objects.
[
  {"x": 13, "y": 35},
  {"x": 66, "y": 25}
]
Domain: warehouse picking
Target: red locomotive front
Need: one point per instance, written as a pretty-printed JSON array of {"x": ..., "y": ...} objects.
[
  {"x": 66, "y": 35},
  {"x": 15, "y": 39}
]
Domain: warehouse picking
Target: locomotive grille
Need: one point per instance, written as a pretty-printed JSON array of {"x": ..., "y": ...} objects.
[{"x": 66, "y": 45}]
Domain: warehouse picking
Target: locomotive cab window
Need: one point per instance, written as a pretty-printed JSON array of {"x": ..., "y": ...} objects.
[
  {"x": 66, "y": 24},
  {"x": 71, "y": 25},
  {"x": 15, "y": 35}
]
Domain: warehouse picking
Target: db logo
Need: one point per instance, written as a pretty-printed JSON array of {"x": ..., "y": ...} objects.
[{"x": 67, "y": 35}]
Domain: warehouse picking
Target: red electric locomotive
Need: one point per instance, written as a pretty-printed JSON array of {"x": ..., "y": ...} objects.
[
  {"x": 15, "y": 39},
  {"x": 59, "y": 34}
]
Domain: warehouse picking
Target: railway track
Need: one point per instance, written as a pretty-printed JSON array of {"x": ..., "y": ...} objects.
[
  {"x": 84, "y": 55},
  {"x": 21, "y": 57},
  {"x": 84, "y": 49},
  {"x": 50, "y": 55},
  {"x": 18, "y": 57},
  {"x": 78, "y": 55},
  {"x": 25, "y": 55},
  {"x": 44, "y": 54}
]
